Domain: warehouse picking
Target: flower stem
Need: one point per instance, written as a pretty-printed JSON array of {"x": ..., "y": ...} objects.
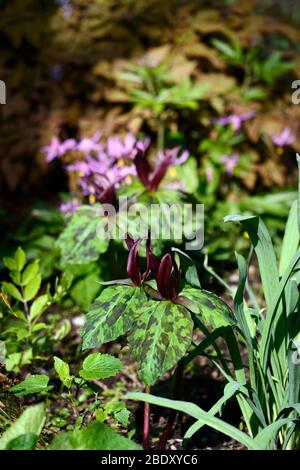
[
  {"x": 172, "y": 416},
  {"x": 146, "y": 431}
]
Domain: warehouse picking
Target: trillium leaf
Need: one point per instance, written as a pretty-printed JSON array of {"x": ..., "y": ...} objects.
[
  {"x": 212, "y": 310},
  {"x": 161, "y": 336},
  {"x": 111, "y": 315},
  {"x": 79, "y": 242}
]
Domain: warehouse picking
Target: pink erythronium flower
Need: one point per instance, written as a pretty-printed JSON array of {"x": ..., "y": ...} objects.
[
  {"x": 53, "y": 150},
  {"x": 286, "y": 137},
  {"x": 70, "y": 206},
  {"x": 235, "y": 120},
  {"x": 230, "y": 162}
]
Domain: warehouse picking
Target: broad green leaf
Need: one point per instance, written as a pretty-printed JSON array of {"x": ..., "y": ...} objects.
[
  {"x": 32, "y": 288},
  {"x": 12, "y": 290},
  {"x": 96, "y": 436},
  {"x": 38, "y": 306},
  {"x": 264, "y": 250},
  {"x": 111, "y": 315},
  {"x": 20, "y": 259},
  {"x": 62, "y": 330},
  {"x": 80, "y": 243},
  {"x": 212, "y": 310},
  {"x": 86, "y": 290},
  {"x": 63, "y": 370},
  {"x": 290, "y": 240},
  {"x": 161, "y": 335},
  {"x": 26, "y": 441},
  {"x": 30, "y": 272},
  {"x": 100, "y": 366},
  {"x": 196, "y": 412},
  {"x": 15, "y": 360},
  {"x": 33, "y": 384},
  {"x": 122, "y": 416},
  {"x": 31, "y": 421}
]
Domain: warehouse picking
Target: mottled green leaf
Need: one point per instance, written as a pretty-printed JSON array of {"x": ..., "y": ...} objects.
[
  {"x": 33, "y": 384},
  {"x": 100, "y": 366},
  {"x": 79, "y": 242},
  {"x": 161, "y": 336},
  {"x": 111, "y": 315},
  {"x": 212, "y": 310},
  {"x": 97, "y": 436}
]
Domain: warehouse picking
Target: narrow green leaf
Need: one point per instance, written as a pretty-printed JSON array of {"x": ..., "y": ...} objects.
[
  {"x": 20, "y": 259},
  {"x": 290, "y": 240},
  {"x": 12, "y": 290},
  {"x": 38, "y": 306},
  {"x": 30, "y": 272}
]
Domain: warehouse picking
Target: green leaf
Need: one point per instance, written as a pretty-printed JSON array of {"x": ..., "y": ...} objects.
[
  {"x": 32, "y": 288},
  {"x": 290, "y": 241},
  {"x": 38, "y": 306},
  {"x": 122, "y": 416},
  {"x": 196, "y": 412},
  {"x": 33, "y": 384},
  {"x": 212, "y": 310},
  {"x": 264, "y": 250},
  {"x": 20, "y": 259},
  {"x": 31, "y": 421},
  {"x": 86, "y": 290},
  {"x": 10, "y": 263},
  {"x": 79, "y": 242},
  {"x": 30, "y": 272},
  {"x": 97, "y": 436},
  {"x": 26, "y": 441},
  {"x": 100, "y": 366},
  {"x": 63, "y": 370},
  {"x": 111, "y": 315},
  {"x": 12, "y": 290},
  {"x": 161, "y": 335}
]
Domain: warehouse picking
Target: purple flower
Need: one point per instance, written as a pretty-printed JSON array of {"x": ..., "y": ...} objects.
[
  {"x": 286, "y": 137},
  {"x": 230, "y": 162},
  {"x": 53, "y": 150},
  {"x": 235, "y": 120},
  {"x": 90, "y": 144},
  {"x": 70, "y": 206}
]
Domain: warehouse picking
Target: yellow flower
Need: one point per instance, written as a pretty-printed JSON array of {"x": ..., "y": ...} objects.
[{"x": 92, "y": 198}]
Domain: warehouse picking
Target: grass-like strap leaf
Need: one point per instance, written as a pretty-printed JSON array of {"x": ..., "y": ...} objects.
[
  {"x": 79, "y": 243},
  {"x": 111, "y": 315},
  {"x": 196, "y": 412},
  {"x": 264, "y": 250},
  {"x": 161, "y": 336}
]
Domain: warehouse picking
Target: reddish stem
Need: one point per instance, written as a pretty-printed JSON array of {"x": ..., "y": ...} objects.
[
  {"x": 172, "y": 416},
  {"x": 146, "y": 430}
]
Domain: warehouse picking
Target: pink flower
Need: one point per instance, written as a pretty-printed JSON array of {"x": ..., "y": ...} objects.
[
  {"x": 70, "y": 206},
  {"x": 235, "y": 120},
  {"x": 230, "y": 162},
  {"x": 286, "y": 137},
  {"x": 53, "y": 150}
]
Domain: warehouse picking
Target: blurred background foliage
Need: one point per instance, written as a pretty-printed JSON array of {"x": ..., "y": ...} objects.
[{"x": 166, "y": 68}]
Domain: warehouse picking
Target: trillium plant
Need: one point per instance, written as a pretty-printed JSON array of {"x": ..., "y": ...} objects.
[{"x": 157, "y": 309}]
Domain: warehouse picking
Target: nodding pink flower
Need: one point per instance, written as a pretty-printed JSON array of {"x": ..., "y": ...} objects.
[
  {"x": 230, "y": 162},
  {"x": 286, "y": 137},
  {"x": 53, "y": 150},
  {"x": 150, "y": 177},
  {"x": 209, "y": 172},
  {"x": 133, "y": 261},
  {"x": 235, "y": 120},
  {"x": 70, "y": 206},
  {"x": 90, "y": 144},
  {"x": 99, "y": 186},
  {"x": 115, "y": 147}
]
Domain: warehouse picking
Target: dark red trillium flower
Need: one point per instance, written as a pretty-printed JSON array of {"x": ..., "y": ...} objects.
[
  {"x": 168, "y": 278},
  {"x": 151, "y": 178},
  {"x": 133, "y": 261},
  {"x": 101, "y": 187}
]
